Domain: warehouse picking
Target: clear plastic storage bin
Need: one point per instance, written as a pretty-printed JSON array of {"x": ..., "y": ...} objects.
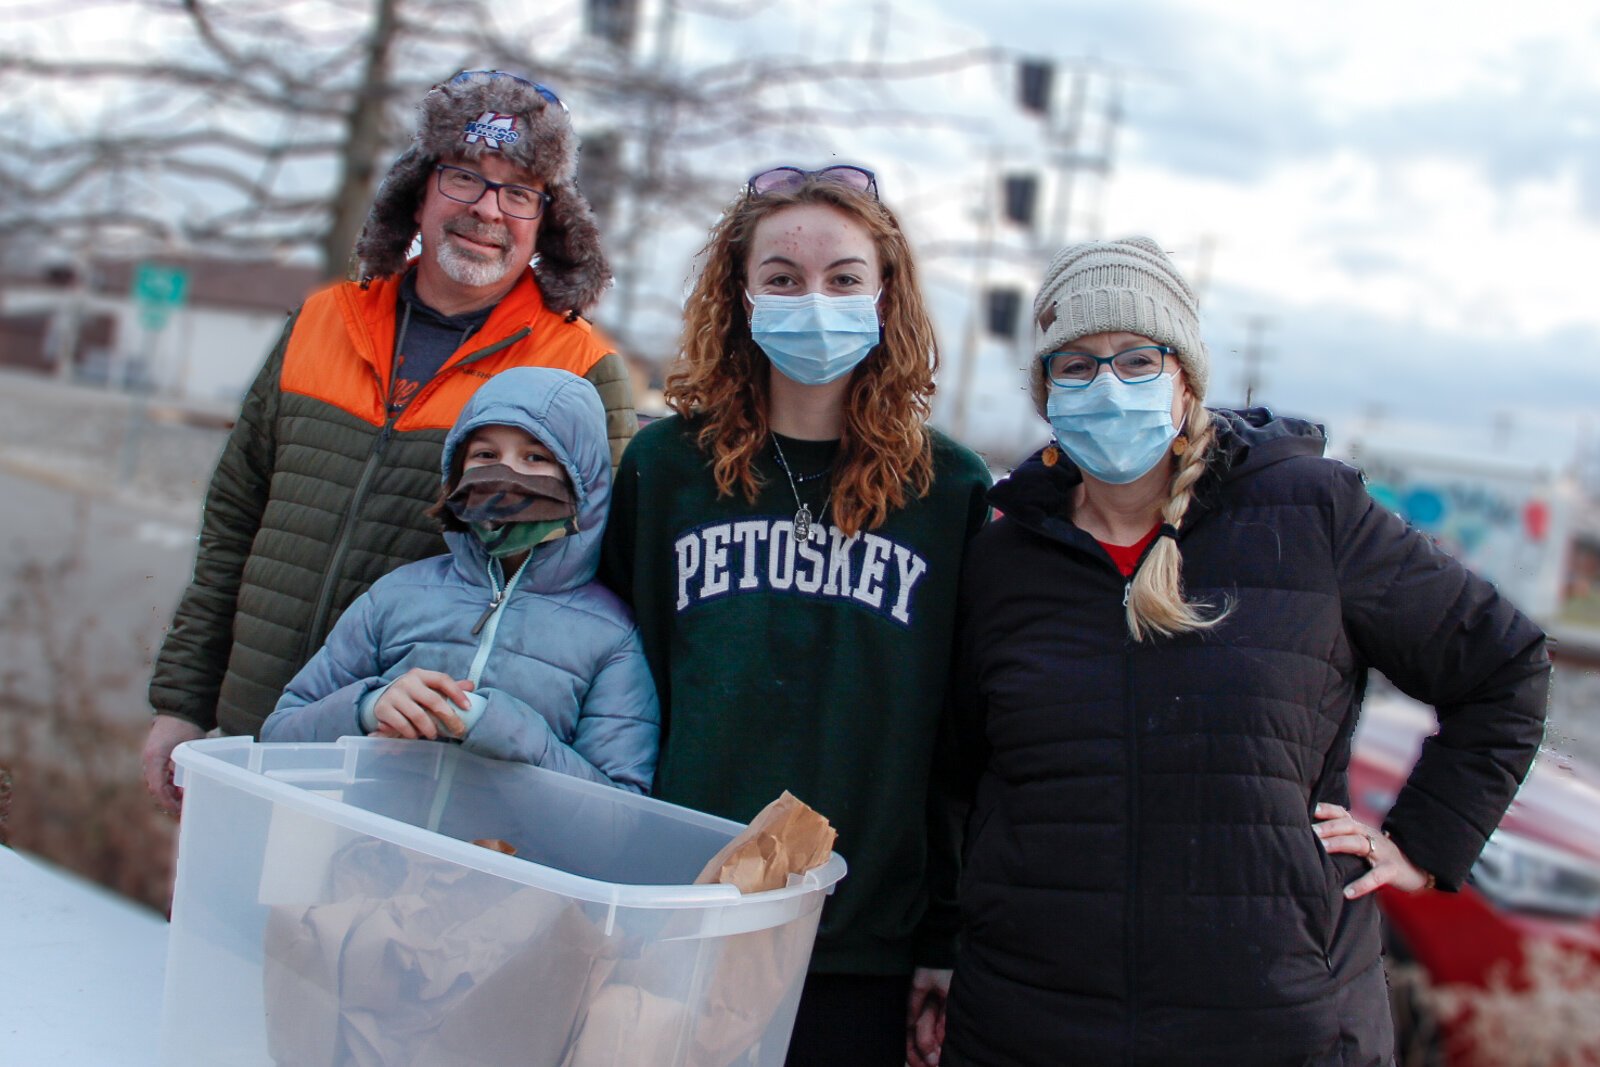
[{"x": 330, "y": 909}]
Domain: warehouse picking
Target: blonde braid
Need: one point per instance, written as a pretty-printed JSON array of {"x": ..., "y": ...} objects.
[{"x": 1156, "y": 605}]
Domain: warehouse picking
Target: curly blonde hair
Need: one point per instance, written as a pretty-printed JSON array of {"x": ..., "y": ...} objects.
[{"x": 721, "y": 375}]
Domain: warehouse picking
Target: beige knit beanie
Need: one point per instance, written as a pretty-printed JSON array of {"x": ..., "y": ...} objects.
[{"x": 1127, "y": 285}]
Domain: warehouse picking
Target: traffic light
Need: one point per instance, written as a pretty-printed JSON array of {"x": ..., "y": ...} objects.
[
  {"x": 613, "y": 21},
  {"x": 1004, "y": 307},
  {"x": 1021, "y": 197},
  {"x": 1034, "y": 79}
]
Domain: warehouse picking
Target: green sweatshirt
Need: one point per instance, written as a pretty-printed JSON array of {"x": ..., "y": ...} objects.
[{"x": 820, "y": 667}]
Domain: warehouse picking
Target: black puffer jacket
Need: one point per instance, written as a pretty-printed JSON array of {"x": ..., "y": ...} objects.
[{"x": 1142, "y": 884}]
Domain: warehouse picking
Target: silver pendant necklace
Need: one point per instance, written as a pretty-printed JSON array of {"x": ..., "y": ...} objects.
[{"x": 802, "y": 514}]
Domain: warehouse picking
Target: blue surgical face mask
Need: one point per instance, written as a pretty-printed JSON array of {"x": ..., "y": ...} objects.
[
  {"x": 814, "y": 339},
  {"x": 1114, "y": 431}
]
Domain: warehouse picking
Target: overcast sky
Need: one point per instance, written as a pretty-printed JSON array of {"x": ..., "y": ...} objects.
[{"x": 1409, "y": 193}]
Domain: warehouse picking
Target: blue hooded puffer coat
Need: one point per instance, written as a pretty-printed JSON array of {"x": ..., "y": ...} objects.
[{"x": 561, "y": 668}]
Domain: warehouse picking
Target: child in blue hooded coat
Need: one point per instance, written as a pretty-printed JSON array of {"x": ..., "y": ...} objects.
[{"x": 506, "y": 644}]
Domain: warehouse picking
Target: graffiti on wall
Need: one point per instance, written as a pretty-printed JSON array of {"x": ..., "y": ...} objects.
[{"x": 1504, "y": 527}]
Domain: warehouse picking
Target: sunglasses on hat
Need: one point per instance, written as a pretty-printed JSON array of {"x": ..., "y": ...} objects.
[
  {"x": 545, "y": 91},
  {"x": 779, "y": 179}
]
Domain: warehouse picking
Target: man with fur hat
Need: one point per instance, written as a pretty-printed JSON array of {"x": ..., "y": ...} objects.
[{"x": 324, "y": 484}]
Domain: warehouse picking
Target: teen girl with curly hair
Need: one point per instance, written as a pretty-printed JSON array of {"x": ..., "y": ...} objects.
[{"x": 791, "y": 540}]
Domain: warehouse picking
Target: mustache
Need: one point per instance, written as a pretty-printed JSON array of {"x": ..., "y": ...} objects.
[{"x": 482, "y": 232}]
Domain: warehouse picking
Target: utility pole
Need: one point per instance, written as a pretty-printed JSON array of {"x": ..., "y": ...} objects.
[
  {"x": 1065, "y": 143},
  {"x": 1255, "y": 353},
  {"x": 1069, "y": 156},
  {"x": 1503, "y": 427},
  {"x": 878, "y": 41},
  {"x": 1203, "y": 256},
  {"x": 980, "y": 288},
  {"x": 1100, "y": 163},
  {"x": 67, "y": 325},
  {"x": 649, "y": 164},
  {"x": 1088, "y": 119}
]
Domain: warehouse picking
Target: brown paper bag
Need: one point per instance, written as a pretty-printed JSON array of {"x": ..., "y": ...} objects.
[
  {"x": 628, "y": 1027},
  {"x": 787, "y": 837},
  {"x": 751, "y": 973}
]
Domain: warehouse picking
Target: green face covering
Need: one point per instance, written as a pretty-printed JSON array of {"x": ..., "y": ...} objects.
[{"x": 512, "y": 538}]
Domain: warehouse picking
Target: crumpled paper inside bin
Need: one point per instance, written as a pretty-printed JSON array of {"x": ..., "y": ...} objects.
[{"x": 422, "y": 961}]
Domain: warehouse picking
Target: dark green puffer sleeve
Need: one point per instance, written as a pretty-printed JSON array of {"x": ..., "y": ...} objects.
[
  {"x": 194, "y": 657},
  {"x": 610, "y": 378}
]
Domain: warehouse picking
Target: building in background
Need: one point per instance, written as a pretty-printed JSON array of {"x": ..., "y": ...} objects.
[
  {"x": 89, "y": 325},
  {"x": 1511, "y": 523}
]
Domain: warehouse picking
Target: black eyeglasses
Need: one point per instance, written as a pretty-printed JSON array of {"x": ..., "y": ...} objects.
[
  {"x": 778, "y": 179},
  {"x": 545, "y": 91},
  {"x": 1075, "y": 370},
  {"x": 467, "y": 187}
]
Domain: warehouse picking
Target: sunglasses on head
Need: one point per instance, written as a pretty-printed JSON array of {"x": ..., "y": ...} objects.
[
  {"x": 778, "y": 179},
  {"x": 545, "y": 91}
]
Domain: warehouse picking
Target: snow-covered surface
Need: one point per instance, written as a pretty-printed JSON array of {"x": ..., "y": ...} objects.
[{"x": 81, "y": 971}]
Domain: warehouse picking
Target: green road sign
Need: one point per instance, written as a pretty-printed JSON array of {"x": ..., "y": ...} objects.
[{"x": 158, "y": 290}]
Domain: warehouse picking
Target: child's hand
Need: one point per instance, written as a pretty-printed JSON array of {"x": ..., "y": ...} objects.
[{"x": 418, "y": 702}]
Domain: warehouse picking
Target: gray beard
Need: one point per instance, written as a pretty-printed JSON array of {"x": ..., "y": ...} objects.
[{"x": 471, "y": 269}]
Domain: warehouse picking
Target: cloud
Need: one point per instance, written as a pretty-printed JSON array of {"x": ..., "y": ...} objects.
[
  {"x": 1468, "y": 390},
  {"x": 1458, "y": 392},
  {"x": 1236, "y": 92}
]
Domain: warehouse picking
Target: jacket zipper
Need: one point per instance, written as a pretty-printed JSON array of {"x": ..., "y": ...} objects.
[
  {"x": 1129, "y": 921},
  {"x": 1130, "y": 924},
  {"x": 314, "y": 635},
  {"x": 489, "y": 623}
]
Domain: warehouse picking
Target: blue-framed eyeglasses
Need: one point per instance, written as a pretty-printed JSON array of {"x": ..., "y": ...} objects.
[
  {"x": 468, "y": 186},
  {"x": 545, "y": 91},
  {"x": 1075, "y": 370},
  {"x": 777, "y": 179}
]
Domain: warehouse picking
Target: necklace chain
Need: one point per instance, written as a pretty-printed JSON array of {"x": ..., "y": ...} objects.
[
  {"x": 802, "y": 514},
  {"x": 802, "y": 479}
]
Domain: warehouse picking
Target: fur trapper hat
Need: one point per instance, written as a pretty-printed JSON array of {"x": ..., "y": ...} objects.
[{"x": 469, "y": 116}]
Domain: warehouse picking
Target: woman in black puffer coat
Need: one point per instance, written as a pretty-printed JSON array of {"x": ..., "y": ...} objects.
[{"x": 1166, "y": 641}]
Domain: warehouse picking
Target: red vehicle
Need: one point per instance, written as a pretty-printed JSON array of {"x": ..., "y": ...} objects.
[{"x": 1505, "y": 973}]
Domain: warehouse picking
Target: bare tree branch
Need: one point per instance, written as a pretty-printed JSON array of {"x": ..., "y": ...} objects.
[
  {"x": 92, "y": 221},
  {"x": 264, "y": 124},
  {"x": 152, "y": 146},
  {"x": 364, "y": 129},
  {"x": 218, "y": 82}
]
